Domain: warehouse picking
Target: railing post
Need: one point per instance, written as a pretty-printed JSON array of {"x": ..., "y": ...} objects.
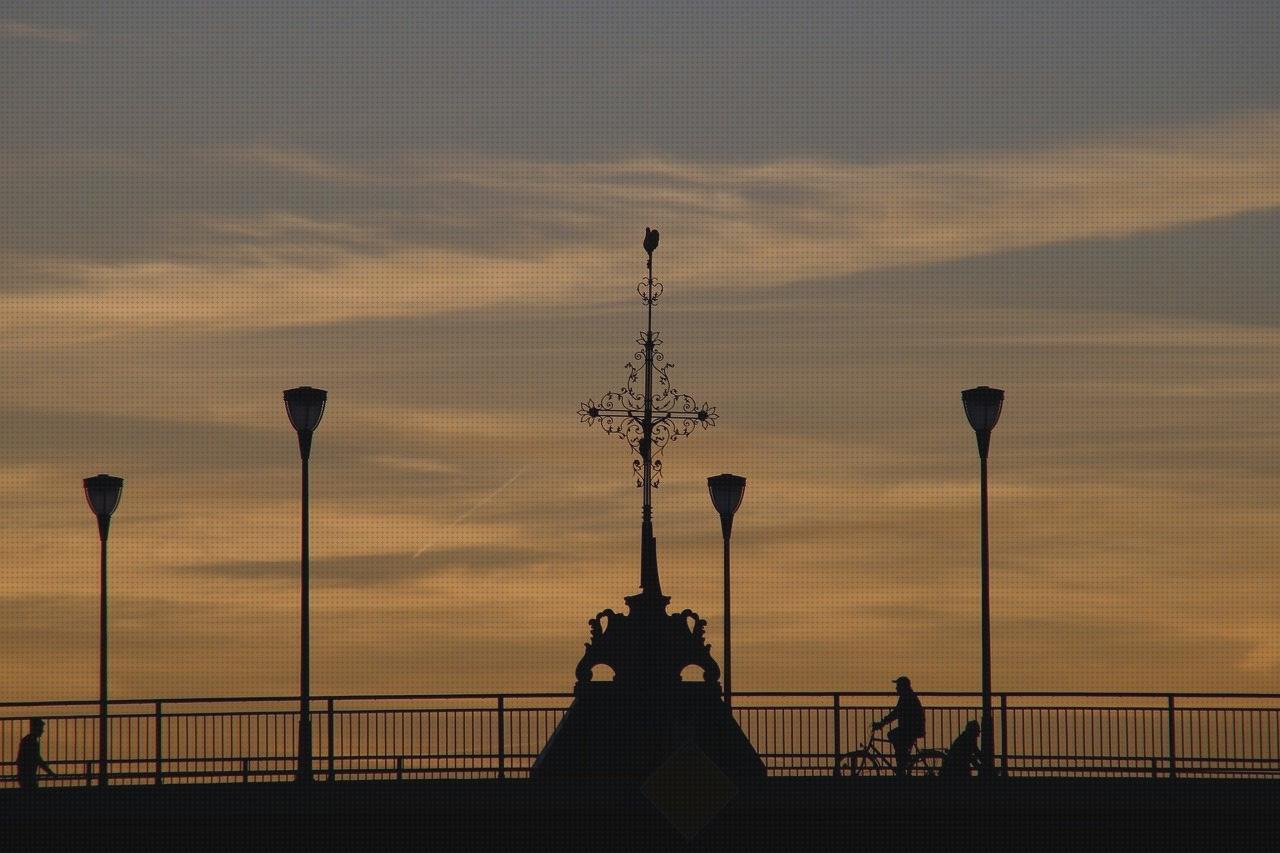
[
  {"x": 502, "y": 737},
  {"x": 88, "y": 773},
  {"x": 244, "y": 769},
  {"x": 159, "y": 744},
  {"x": 1004, "y": 734},
  {"x": 1173, "y": 743},
  {"x": 835, "y": 734},
  {"x": 330, "y": 737},
  {"x": 399, "y": 768}
]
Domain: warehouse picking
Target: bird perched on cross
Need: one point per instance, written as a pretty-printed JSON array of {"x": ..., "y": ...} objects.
[{"x": 650, "y": 240}]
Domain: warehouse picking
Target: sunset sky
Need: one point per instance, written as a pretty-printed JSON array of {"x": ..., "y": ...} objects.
[{"x": 435, "y": 211}]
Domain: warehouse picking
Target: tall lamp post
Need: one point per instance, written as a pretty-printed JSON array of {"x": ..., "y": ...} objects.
[
  {"x": 726, "y": 496},
  {"x": 305, "y": 407},
  {"x": 103, "y": 495},
  {"x": 982, "y": 407}
]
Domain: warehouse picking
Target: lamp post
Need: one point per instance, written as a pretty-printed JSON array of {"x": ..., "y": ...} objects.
[
  {"x": 982, "y": 407},
  {"x": 103, "y": 495},
  {"x": 726, "y": 496},
  {"x": 305, "y": 407}
]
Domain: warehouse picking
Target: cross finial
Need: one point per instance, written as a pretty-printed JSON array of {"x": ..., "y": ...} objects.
[{"x": 648, "y": 418}]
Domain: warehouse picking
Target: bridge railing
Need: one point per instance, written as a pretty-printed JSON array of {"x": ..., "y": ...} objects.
[{"x": 237, "y": 739}]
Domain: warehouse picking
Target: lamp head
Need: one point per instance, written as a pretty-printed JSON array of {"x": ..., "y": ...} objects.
[
  {"x": 982, "y": 407},
  {"x": 726, "y": 496},
  {"x": 305, "y": 407},
  {"x": 103, "y": 494}
]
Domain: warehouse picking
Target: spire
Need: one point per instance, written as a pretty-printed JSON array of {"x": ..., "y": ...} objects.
[{"x": 648, "y": 413}]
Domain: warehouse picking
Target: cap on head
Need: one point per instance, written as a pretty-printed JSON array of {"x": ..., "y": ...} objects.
[
  {"x": 37, "y": 723},
  {"x": 902, "y": 679}
]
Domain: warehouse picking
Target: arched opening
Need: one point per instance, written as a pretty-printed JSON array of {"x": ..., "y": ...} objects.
[
  {"x": 692, "y": 672},
  {"x": 602, "y": 672}
]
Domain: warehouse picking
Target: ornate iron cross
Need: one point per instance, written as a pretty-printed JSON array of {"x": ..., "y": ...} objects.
[{"x": 648, "y": 418}]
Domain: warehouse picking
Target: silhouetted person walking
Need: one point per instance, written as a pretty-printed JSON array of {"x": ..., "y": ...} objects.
[
  {"x": 964, "y": 754},
  {"x": 909, "y": 714},
  {"x": 29, "y": 758}
]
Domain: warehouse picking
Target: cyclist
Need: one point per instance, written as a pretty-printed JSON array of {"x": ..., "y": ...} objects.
[{"x": 909, "y": 714}]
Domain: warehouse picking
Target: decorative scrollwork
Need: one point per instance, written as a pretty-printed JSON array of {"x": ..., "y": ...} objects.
[
  {"x": 699, "y": 629},
  {"x": 649, "y": 291},
  {"x": 603, "y": 616},
  {"x": 642, "y": 650},
  {"x": 669, "y": 416},
  {"x": 647, "y": 412}
]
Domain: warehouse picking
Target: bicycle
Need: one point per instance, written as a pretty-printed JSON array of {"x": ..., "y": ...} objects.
[{"x": 876, "y": 758}]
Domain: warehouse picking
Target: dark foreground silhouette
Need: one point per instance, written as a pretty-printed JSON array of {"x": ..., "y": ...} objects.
[
  {"x": 909, "y": 714},
  {"x": 964, "y": 754},
  {"x": 30, "y": 761},
  {"x": 777, "y": 814}
]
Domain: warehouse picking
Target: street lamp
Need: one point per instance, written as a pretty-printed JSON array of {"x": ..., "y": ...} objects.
[
  {"x": 726, "y": 496},
  {"x": 982, "y": 407},
  {"x": 103, "y": 495},
  {"x": 305, "y": 407}
]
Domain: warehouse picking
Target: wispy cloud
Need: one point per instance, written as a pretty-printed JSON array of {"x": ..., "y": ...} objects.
[
  {"x": 32, "y": 32},
  {"x": 806, "y": 218},
  {"x": 438, "y": 234},
  {"x": 379, "y": 569}
]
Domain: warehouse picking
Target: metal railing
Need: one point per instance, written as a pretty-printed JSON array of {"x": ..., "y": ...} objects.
[{"x": 243, "y": 739}]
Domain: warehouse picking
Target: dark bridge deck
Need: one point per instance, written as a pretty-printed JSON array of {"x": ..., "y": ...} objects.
[{"x": 779, "y": 814}]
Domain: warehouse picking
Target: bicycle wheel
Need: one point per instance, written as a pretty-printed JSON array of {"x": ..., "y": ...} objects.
[
  {"x": 864, "y": 763},
  {"x": 928, "y": 762}
]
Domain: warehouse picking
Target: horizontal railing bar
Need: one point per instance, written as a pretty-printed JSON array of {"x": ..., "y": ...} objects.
[
  {"x": 826, "y": 694},
  {"x": 238, "y": 760},
  {"x": 352, "y": 697},
  {"x": 1010, "y": 693},
  {"x": 939, "y": 709}
]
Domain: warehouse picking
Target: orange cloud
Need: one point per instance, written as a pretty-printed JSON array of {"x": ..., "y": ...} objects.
[{"x": 32, "y": 32}]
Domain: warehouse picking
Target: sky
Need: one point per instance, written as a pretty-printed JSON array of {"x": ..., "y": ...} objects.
[{"x": 435, "y": 211}]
